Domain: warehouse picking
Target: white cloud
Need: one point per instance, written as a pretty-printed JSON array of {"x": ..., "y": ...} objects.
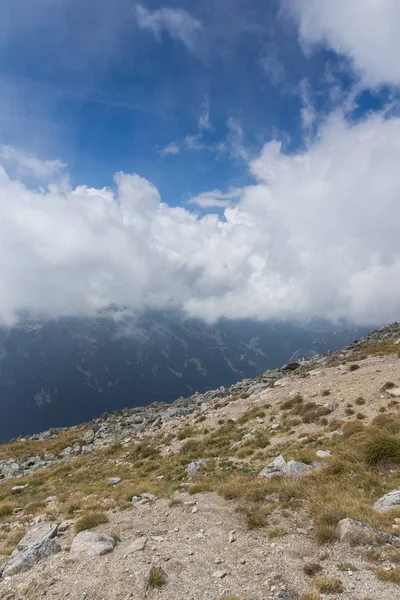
[
  {"x": 315, "y": 236},
  {"x": 172, "y": 148},
  {"x": 366, "y": 31},
  {"x": 178, "y": 23},
  {"x": 216, "y": 199},
  {"x": 28, "y": 164}
]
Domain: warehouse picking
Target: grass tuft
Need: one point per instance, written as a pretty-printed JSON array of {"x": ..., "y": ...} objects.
[
  {"x": 90, "y": 520},
  {"x": 329, "y": 585},
  {"x": 393, "y": 575},
  {"x": 157, "y": 578}
]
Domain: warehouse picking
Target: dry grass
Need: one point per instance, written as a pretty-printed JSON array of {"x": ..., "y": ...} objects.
[
  {"x": 393, "y": 575},
  {"x": 329, "y": 585},
  {"x": 312, "y": 569},
  {"x": 276, "y": 532},
  {"x": 380, "y": 446},
  {"x": 157, "y": 578},
  {"x": 90, "y": 520}
]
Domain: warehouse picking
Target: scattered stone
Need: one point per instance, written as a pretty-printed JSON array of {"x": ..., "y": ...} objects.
[
  {"x": 114, "y": 480},
  {"x": 65, "y": 525},
  {"x": 91, "y": 543},
  {"x": 137, "y": 545},
  {"x": 232, "y": 536},
  {"x": 388, "y": 501},
  {"x": 195, "y": 509},
  {"x": 147, "y": 496},
  {"x": 219, "y": 574},
  {"x": 395, "y": 392},
  {"x": 19, "y": 488},
  {"x": 274, "y": 497}
]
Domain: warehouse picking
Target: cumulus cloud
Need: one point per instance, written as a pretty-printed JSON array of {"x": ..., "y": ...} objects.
[
  {"x": 178, "y": 23},
  {"x": 364, "y": 30},
  {"x": 316, "y": 235}
]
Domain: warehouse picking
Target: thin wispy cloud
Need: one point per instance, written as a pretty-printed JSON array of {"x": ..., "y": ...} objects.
[
  {"x": 216, "y": 199},
  {"x": 24, "y": 163},
  {"x": 177, "y": 23}
]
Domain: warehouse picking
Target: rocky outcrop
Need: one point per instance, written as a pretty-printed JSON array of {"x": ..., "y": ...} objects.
[
  {"x": 34, "y": 548},
  {"x": 388, "y": 501},
  {"x": 358, "y": 532}
]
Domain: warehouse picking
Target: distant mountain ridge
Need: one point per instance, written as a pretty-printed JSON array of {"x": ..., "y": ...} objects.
[{"x": 61, "y": 372}]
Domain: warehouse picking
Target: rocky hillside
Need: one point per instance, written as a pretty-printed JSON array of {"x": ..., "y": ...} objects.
[{"x": 285, "y": 486}]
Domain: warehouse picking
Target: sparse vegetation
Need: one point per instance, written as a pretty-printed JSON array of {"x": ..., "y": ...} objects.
[
  {"x": 354, "y": 367},
  {"x": 90, "y": 520},
  {"x": 346, "y": 567},
  {"x": 157, "y": 578},
  {"x": 329, "y": 585},
  {"x": 391, "y": 575},
  {"x": 312, "y": 569},
  {"x": 276, "y": 532},
  {"x": 359, "y": 401}
]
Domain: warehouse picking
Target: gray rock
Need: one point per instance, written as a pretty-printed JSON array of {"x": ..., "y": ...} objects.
[
  {"x": 30, "y": 556},
  {"x": 352, "y": 531},
  {"x": 193, "y": 467},
  {"x": 276, "y": 467},
  {"x": 90, "y": 543},
  {"x": 388, "y": 501},
  {"x": 40, "y": 531},
  {"x": 114, "y": 480},
  {"x": 137, "y": 545},
  {"x": 148, "y": 496},
  {"x": 295, "y": 469},
  {"x": 395, "y": 392}
]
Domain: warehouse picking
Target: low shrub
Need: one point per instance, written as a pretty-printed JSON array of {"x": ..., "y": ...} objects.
[{"x": 90, "y": 520}]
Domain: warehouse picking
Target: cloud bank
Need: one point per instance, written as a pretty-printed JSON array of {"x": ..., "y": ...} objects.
[
  {"x": 316, "y": 235},
  {"x": 366, "y": 31}
]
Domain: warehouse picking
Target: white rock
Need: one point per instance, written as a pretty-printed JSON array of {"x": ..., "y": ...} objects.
[
  {"x": 195, "y": 509},
  {"x": 395, "y": 392},
  {"x": 219, "y": 574},
  {"x": 232, "y": 536},
  {"x": 323, "y": 453}
]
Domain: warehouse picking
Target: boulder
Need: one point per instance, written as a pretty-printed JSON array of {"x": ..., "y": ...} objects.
[
  {"x": 355, "y": 531},
  {"x": 295, "y": 469},
  {"x": 388, "y": 501},
  {"x": 40, "y": 531},
  {"x": 30, "y": 556},
  {"x": 90, "y": 543},
  {"x": 279, "y": 466},
  {"x": 276, "y": 467}
]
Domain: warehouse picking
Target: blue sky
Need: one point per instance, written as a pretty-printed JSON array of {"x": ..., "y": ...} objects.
[
  {"x": 229, "y": 158},
  {"x": 89, "y": 83}
]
